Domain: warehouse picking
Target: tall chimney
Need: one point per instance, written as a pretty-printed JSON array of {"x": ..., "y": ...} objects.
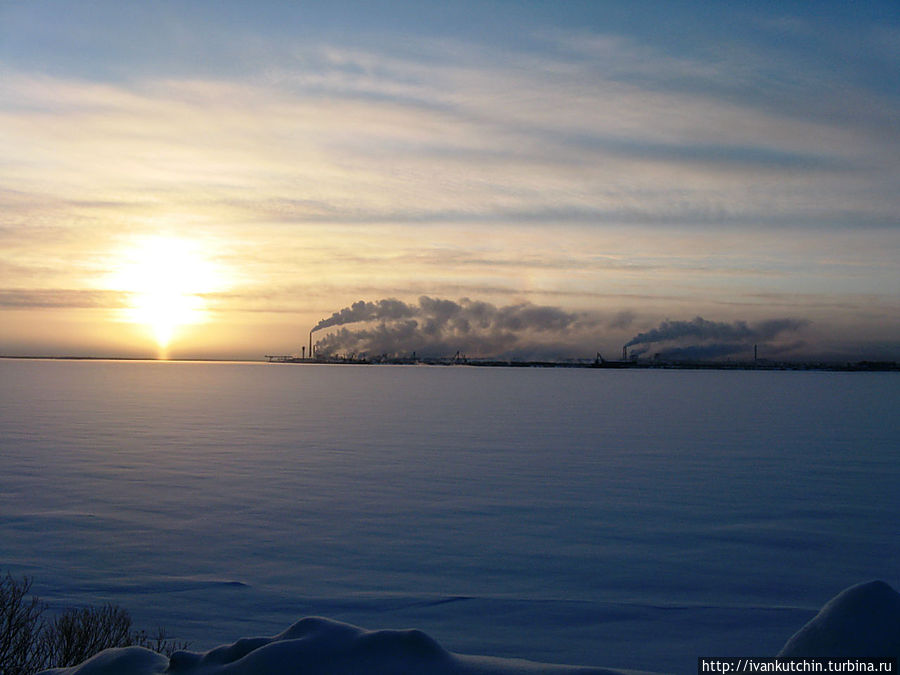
[
  {"x": 625, "y": 353},
  {"x": 310, "y": 344}
]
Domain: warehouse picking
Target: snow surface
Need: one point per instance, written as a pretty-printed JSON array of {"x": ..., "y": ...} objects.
[
  {"x": 862, "y": 621},
  {"x": 318, "y": 646},
  {"x": 635, "y": 519}
]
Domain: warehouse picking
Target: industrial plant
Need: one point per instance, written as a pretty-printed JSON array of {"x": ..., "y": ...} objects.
[{"x": 309, "y": 354}]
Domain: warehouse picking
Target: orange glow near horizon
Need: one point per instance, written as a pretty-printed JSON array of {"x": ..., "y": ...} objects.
[{"x": 166, "y": 278}]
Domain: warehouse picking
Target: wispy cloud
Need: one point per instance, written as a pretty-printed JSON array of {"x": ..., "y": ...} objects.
[
  {"x": 60, "y": 298},
  {"x": 333, "y": 133}
]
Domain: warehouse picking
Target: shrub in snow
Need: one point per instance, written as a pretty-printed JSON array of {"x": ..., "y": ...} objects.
[
  {"x": 29, "y": 642},
  {"x": 21, "y": 628}
]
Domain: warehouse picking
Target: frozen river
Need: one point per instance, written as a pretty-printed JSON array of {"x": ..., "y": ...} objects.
[{"x": 621, "y": 518}]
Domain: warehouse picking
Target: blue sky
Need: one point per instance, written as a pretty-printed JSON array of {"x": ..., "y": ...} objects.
[{"x": 657, "y": 161}]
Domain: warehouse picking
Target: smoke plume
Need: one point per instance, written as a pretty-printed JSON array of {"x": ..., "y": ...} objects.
[
  {"x": 438, "y": 327},
  {"x": 367, "y": 311},
  {"x": 435, "y": 327},
  {"x": 702, "y": 339}
]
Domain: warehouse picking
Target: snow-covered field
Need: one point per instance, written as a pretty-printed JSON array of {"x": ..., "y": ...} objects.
[
  {"x": 617, "y": 518},
  {"x": 862, "y": 621}
]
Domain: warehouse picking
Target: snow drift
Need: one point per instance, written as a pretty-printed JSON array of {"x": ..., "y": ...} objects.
[{"x": 862, "y": 621}]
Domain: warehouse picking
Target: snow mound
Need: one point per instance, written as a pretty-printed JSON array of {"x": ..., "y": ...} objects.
[
  {"x": 317, "y": 646},
  {"x": 122, "y": 661},
  {"x": 861, "y": 622}
]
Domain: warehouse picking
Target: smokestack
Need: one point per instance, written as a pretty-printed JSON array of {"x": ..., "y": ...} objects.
[
  {"x": 625, "y": 353},
  {"x": 303, "y": 352},
  {"x": 310, "y": 344}
]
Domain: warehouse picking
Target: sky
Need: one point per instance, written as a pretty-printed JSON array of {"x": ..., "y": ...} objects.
[{"x": 216, "y": 179}]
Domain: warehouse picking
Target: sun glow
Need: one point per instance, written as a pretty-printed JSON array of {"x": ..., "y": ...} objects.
[{"x": 166, "y": 279}]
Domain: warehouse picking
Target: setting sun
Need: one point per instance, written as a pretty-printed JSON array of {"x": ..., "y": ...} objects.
[{"x": 166, "y": 279}]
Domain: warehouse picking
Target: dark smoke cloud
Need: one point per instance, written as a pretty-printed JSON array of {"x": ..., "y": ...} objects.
[
  {"x": 368, "y": 311},
  {"x": 438, "y": 327},
  {"x": 699, "y": 338},
  {"x": 701, "y": 329},
  {"x": 707, "y": 352}
]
